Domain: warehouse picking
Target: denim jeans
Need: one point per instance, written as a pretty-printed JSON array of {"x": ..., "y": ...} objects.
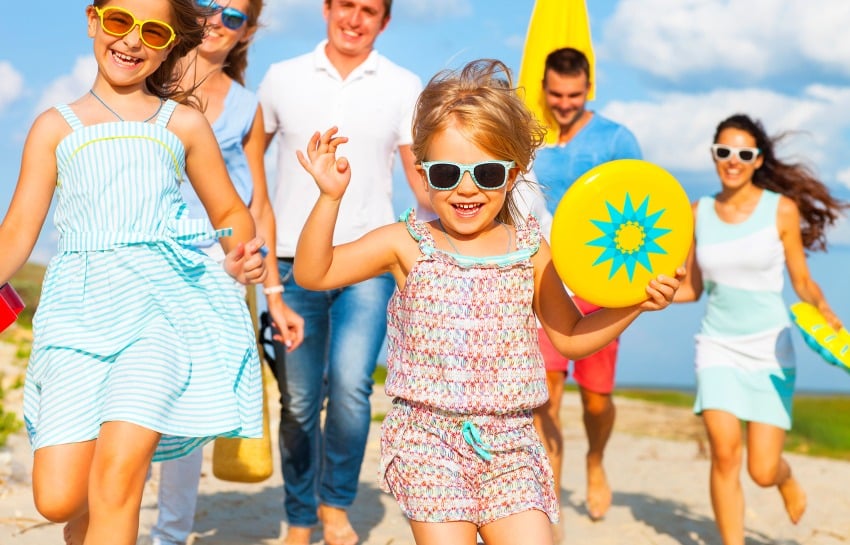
[{"x": 343, "y": 333}]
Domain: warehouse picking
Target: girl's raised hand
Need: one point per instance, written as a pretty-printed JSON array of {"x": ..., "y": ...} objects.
[
  {"x": 661, "y": 291},
  {"x": 245, "y": 262},
  {"x": 331, "y": 174}
]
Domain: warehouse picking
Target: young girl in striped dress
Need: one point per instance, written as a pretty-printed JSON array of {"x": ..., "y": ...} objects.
[
  {"x": 143, "y": 348},
  {"x": 459, "y": 449}
]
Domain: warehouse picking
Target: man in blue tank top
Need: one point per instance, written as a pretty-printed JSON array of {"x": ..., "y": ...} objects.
[{"x": 586, "y": 139}]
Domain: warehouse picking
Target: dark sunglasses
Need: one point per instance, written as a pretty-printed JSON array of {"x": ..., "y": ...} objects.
[
  {"x": 487, "y": 175},
  {"x": 231, "y": 18},
  {"x": 120, "y": 22},
  {"x": 724, "y": 153}
]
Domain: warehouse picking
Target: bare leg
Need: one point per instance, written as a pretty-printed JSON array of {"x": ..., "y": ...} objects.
[
  {"x": 547, "y": 421},
  {"x": 519, "y": 529},
  {"x": 599, "y": 413},
  {"x": 60, "y": 481},
  {"x": 337, "y": 528},
  {"x": 727, "y": 496},
  {"x": 121, "y": 459},
  {"x": 442, "y": 533},
  {"x": 767, "y": 467}
]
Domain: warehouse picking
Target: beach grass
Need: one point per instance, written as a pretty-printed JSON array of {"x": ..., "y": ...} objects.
[{"x": 821, "y": 422}]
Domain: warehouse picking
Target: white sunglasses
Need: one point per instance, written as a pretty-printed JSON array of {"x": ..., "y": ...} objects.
[{"x": 722, "y": 152}]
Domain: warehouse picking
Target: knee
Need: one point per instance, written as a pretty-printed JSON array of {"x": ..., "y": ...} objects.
[
  {"x": 726, "y": 459},
  {"x": 58, "y": 505},
  {"x": 763, "y": 474},
  {"x": 598, "y": 405}
]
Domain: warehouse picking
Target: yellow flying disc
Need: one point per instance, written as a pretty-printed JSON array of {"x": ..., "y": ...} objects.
[
  {"x": 619, "y": 226},
  {"x": 832, "y": 345}
]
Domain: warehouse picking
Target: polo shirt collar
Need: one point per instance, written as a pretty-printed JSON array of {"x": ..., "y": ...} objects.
[{"x": 321, "y": 62}]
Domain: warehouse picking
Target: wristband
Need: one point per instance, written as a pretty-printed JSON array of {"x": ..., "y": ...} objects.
[{"x": 273, "y": 289}]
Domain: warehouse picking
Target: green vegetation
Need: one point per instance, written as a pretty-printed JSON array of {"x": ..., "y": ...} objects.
[
  {"x": 9, "y": 423},
  {"x": 821, "y": 422}
]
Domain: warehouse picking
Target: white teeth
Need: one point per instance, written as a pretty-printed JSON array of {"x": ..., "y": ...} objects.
[
  {"x": 124, "y": 58},
  {"x": 467, "y": 206}
]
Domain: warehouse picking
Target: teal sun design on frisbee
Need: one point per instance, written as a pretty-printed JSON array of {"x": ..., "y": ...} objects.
[{"x": 629, "y": 237}]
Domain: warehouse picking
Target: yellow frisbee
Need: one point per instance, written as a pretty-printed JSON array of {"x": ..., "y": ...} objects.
[
  {"x": 619, "y": 226},
  {"x": 832, "y": 345}
]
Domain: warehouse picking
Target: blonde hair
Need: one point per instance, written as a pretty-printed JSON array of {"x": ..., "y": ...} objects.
[{"x": 481, "y": 102}]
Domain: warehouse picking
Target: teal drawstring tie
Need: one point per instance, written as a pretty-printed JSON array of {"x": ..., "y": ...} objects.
[{"x": 473, "y": 439}]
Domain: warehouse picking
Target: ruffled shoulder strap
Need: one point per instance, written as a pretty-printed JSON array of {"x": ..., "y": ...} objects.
[
  {"x": 418, "y": 231},
  {"x": 528, "y": 235}
]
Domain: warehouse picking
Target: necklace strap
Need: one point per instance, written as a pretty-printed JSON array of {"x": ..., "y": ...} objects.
[
  {"x": 105, "y": 105},
  {"x": 445, "y": 234}
]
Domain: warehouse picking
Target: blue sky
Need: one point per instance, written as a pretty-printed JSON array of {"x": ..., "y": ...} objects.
[{"x": 667, "y": 69}]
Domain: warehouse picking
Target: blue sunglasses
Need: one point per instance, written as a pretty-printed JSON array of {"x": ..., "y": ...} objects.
[{"x": 231, "y": 18}]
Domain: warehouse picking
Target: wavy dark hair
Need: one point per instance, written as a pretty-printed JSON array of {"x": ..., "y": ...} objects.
[
  {"x": 818, "y": 208},
  {"x": 188, "y": 23},
  {"x": 237, "y": 60},
  {"x": 481, "y": 101}
]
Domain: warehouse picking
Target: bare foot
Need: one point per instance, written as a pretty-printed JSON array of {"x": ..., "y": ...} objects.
[
  {"x": 297, "y": 535},
  {"x": 598, "y": 491},
  {"x": 74, "y": 531},
  {"x": 794, "y": 497},
  {"x": 337, "y": 528}
]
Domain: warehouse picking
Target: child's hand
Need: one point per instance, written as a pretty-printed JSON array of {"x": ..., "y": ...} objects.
[
  {"x": 245, "y": 263},
  {"x": 331, "y": 174},
  {"x": 661, "y": 291}
]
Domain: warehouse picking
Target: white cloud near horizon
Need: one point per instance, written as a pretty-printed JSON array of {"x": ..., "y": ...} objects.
[
  {"x": 751, "y": 38},
  {"x": 11, "y": 84},
  {"x": 675, "y": 129},
  {"x": 69, "y": 87}
]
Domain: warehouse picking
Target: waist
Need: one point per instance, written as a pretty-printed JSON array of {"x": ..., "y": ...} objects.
[{"x": 289, "y": 260}]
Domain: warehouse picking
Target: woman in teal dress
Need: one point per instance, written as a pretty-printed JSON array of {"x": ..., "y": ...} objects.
[{"x": 767, "y": 214}]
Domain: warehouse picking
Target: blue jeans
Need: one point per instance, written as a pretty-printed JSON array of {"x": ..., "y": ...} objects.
[{"x": 343, "y": 333}]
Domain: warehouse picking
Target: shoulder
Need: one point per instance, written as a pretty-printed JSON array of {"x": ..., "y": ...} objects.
[
  {"x": 49, "y": 128},
  {"x": 188, "y": 122},
  {"x": 787, "y": 207},
  {"x": 389, "y": 69}
]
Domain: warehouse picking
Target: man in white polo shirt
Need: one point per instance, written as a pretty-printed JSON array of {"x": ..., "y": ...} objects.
[{"x": 345, "y": 83}]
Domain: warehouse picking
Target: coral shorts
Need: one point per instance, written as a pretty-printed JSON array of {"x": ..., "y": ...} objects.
[{"x": 595, "y": 372}]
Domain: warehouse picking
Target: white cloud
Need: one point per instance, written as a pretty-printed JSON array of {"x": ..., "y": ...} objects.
[
  {"x": 70, "y": 86},
  {"x": 675, "y": 129},
  {"x": 839, "y": 234},
  {"x": 750, "y": 38},
  {"x": 11, "y": 84},
  {"x": 843, "y": 177}
]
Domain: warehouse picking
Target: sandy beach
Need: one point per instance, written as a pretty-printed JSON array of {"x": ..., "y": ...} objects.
[{"x": 656, "y": 463}]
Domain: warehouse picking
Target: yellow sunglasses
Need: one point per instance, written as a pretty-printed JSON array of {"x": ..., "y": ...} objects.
[{"x": 120, "y": 22}]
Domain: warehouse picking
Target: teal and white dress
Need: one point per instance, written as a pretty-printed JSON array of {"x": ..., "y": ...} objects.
[
  {"x": 745, "y": 361},
  {"x": 134, "y": 324}
]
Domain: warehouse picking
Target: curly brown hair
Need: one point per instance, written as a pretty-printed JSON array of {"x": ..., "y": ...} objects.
[
  {"x": 481, "y": 101},
  {"x": 187, "y": 21},
  {"x": 818, "y": 208}
]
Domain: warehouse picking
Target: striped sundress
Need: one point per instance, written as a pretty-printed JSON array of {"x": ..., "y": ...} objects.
[
  {"x": 134, "y": 324},
  {"x": 744, "y": 357}
]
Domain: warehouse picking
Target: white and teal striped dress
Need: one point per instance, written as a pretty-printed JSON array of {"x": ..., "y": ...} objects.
[
  {"x": 134, "y": 324},
  {"x": 744, "y": 357}
]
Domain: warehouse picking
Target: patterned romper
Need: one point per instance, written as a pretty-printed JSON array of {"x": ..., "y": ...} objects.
[
  {"x": 134, "y": 324},
  {"x": 465, "y": 371}
]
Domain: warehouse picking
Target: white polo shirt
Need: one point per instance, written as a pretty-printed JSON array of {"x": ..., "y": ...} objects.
[{"x": 373, "y": 107}]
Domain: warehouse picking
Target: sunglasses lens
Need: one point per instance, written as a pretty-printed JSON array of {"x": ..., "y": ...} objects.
[
  {"x": 232, "y": 19},
  {"x": 722, "y": 152},
  {"x": 490, "y": 175},
  {"x": 155, "y": 34},
  {"x": 207, "y": 4},
  {"x": 117, "y": 21},
  {"x": 746, "y": 155},
  {"x": 443, "y": 175}
]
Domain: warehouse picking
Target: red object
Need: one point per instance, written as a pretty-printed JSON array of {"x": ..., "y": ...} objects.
[{"x": 11, "y": 305}]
